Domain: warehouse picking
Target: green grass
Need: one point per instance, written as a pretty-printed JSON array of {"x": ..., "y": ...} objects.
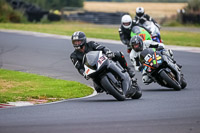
[
  {"x": 20, "y": 86},
  {"x": 62, "y": 28},
  {"x": 99, "y": 31},
  {"x": 181, "y": 38}
]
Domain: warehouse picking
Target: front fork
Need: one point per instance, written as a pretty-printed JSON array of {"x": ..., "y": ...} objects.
[{"x": 124, "y": 77}]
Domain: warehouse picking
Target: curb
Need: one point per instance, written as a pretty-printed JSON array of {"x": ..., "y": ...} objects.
[
  {"x": 26, "y": 103},
  {"x": 5, "y": 106}
]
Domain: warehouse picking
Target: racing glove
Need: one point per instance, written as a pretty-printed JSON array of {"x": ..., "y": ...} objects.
[{"x": 110, "y": 54}]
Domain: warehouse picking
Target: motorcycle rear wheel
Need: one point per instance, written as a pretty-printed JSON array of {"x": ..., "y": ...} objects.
[
  {"x": 171, "y": 82},
  {"x": 106, "y": 83}
]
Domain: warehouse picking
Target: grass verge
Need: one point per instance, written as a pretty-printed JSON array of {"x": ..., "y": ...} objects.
[
  {"x": 104, "y": 32},
  {"x": 20, "y": 86}
]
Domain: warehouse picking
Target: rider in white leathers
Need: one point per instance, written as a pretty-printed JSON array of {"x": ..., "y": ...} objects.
[{"x": 137, "y": 44}]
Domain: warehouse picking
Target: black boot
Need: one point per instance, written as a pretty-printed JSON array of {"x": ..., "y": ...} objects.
[{"x": 131, "y": 92}]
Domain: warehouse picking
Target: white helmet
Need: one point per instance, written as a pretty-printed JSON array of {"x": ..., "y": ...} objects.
[
  {"x": 139, "y": 11},
  {"x": 126, "y": 21}
]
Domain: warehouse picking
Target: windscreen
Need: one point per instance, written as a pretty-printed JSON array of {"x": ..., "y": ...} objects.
[{"x": 91, "y": 58}]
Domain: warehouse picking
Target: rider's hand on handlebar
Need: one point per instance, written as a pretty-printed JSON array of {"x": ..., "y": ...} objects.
[{"x": 110, "y": 54}]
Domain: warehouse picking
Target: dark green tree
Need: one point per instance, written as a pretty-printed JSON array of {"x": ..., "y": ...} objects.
[
  {"x": 7, "y": 14},
  {"x": 193, "y": 5}
]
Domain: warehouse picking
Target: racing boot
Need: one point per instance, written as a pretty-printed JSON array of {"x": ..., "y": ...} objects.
[
  {"x": 146, "y": 79},
  {"x": 131, "y": 92}
]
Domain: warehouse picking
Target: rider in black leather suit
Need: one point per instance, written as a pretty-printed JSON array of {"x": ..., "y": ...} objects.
[{"x": 82, "y": 46}]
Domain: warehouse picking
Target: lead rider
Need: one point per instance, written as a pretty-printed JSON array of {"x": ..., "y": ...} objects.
[
  {"x": 82, "y": 47},
  {"x": 141, "y": 17}
]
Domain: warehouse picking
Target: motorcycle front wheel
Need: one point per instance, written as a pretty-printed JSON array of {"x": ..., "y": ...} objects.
[
  {"x": 112, "y": 90},
  {"x": 170, "y": 81}
]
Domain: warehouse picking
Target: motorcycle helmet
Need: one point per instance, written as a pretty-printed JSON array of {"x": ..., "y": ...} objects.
[
  {"x": 126, "y": 21},
  {"x": 78, "y": 39},
  {"x": 136, "y": 43},
  {"x": 139, "y": 11}
]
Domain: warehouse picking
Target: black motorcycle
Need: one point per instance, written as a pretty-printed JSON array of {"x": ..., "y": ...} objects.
[
  {"x": 110, "y": 76},
  {"x": 162, "y": 69}
]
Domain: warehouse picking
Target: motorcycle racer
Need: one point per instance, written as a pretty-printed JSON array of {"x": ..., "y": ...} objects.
[
  {"x": 137, "y": 44},
  {"x": 81, "y": 46},
  {"x": 128, "y": 29},
  {"x": 141, "y": 17},
  {"x": 125, "y": 30}
]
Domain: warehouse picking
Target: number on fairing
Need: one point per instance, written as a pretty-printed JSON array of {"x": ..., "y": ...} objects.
[
  {"x": 101, "y": 59},
  {"x": 147, "y": 57}
]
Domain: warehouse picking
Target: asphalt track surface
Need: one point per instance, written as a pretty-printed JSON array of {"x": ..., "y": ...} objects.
[{"x": 160, "y": 110}]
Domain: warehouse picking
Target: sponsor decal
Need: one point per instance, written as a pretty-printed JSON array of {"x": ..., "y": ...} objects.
[
  {"x": 159, "y": 61},
  {"x": 87, "y": 71},
  {"x": 154, "y": 61},
  {"x": 158, "y": 58}
]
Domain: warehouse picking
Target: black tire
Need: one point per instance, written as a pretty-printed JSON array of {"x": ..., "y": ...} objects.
[
  {"x": 172, "y": 83},
  {"x": 107, "y": 85},
  {"x": 138, "y": 93},
  {"x": 183, "y": 83}
]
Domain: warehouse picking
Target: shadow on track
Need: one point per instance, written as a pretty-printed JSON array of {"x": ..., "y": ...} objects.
[{"x": 158, "y": 89}]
